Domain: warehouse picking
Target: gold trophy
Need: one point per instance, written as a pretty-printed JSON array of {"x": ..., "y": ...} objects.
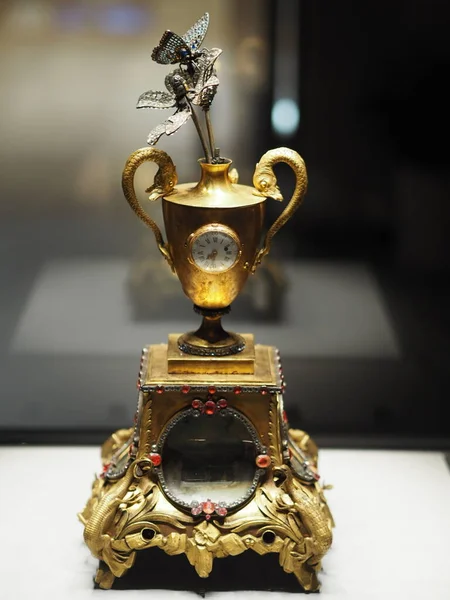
[{"x": 210, "y": 468}]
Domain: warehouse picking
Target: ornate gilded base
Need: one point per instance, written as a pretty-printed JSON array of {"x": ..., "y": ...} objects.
[{"x": 142, "y": 498}]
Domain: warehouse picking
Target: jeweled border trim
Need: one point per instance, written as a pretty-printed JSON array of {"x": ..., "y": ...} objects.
[
  {"x": 259, "y": 473},
  {"x": 160, "y": 388}
]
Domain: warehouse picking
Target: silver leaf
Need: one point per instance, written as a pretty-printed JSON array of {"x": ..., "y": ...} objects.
[
  {"x": 174, "y": 122},
  {"x": 205, "y": 94},
  {"x": 156, "y": 99},
  {"x": 156, "y": 133}
]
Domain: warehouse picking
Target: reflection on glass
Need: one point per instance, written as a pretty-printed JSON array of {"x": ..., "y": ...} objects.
[{"x": 209, "y": 457}]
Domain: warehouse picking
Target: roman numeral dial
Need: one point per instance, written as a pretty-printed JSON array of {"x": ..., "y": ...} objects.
[{"x": 214, "y": 248}]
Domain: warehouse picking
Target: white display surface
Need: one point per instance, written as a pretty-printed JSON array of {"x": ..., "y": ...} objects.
[{"x": 392, "y": 536}]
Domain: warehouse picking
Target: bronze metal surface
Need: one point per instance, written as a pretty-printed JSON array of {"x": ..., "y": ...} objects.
[
  {"x": 134, "y": 503},
  {"x": 265, "y": 182},
  {"x": 220, "y": 354},
  {"x": 215, "y": 190},
  {"x": 214, "y": 200},
  {"x": 164, "y": 182},
  {"x": 168, "y": 366},
  {"x": 284, "y": 515},
  {"x": 221, "y": 343},
  {"x": 211, "y": 339}
]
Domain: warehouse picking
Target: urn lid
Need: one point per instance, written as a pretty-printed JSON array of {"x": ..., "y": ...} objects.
[{"x": 215, "y": 189}]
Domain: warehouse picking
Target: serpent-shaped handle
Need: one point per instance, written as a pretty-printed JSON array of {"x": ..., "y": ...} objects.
[
  {"x": 265, "y": 183},
  {"x": 163, "y": 184}
]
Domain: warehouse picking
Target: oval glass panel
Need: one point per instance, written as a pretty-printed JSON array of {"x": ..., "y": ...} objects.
[{"x": 209, "y": 458}]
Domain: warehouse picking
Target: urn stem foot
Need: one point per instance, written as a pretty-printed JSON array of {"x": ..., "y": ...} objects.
[{"x": 211, "y": 339}]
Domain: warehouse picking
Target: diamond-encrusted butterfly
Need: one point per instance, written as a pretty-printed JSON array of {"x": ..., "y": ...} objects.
[
  {"x": 201, "y": 87},
  {"x": 173, "y": 48}
]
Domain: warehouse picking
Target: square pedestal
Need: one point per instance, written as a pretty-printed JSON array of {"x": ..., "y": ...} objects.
[{"x": 156, "y": 372}]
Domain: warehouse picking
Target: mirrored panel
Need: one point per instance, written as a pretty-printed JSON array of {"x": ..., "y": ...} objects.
[{"x": 209, "y": 458}]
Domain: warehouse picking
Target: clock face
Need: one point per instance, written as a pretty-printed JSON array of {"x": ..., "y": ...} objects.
[{"x": 215, "y": 248}]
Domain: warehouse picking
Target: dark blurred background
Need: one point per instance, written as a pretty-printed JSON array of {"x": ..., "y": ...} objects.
[{"x": 357, "y": 291}]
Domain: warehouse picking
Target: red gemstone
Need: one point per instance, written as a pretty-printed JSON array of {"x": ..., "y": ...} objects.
[
  {"x": 186, "y": 389},
  {"x": 207, "y": 517},
  {"x": 138, "y": 384},
  {"x": 210, "y": 407},
  {"x": 160, "y": 389},
  {"x": 316, "y": 476},
  {"x": 237, "y": 390},
  {"x": 155, "y": 458},
  {"x": 264, "y": 391},
  {"x": 222, "y": 403},
  {"x": 263, "y": 461},
  {"x": 285, "y": 419},
  {"x": 197, "y": 404},
  {"x": 106, "y": 467},
  {"x": 212, "y": 389},
  {"x": 208, "y": 507},
  {"x": 196, "y": 510},
  {"x": 221, "y": 511}
]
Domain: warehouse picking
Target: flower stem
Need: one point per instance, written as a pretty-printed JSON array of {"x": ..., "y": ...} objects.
[
  {"x": 200, "y": 132},
  {"x": 209, "y": 128}
]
